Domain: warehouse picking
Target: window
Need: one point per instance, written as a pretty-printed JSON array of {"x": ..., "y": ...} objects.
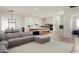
[
  {"x": 11, "y": 23},
  {"x": 4, "y": 24},
  {"x": 77, "y": 25},
  {"x": 7, "y": 24}
]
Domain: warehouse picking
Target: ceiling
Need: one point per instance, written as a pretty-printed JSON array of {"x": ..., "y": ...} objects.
[{"x": 40, "y": 11}]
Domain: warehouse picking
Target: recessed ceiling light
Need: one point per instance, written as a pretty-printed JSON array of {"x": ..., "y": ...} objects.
[{"x": 36, "y": 8}]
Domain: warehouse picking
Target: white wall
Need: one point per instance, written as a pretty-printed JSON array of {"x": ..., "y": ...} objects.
[
  {"x": 63, "y": 19},
  {"x": 67, "y": 21},
  {"x": 48, "y": 20},
  {"x": 32, "y": 21},
  {"x": 19, "y": 21},
  {"x": 56, "y": 23},
  {"x": 74, "y": 21},
  {"x": 70, "y": 16},
  {"x": 61, "y": 31},
  {"x": 28, "y": 22}
]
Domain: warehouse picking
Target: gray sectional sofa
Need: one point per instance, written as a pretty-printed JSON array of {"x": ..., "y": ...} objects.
[{"x": 11, "y": 40}]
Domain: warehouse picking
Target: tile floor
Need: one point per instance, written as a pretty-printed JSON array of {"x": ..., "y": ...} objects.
[{"x": 56, "y": 45}]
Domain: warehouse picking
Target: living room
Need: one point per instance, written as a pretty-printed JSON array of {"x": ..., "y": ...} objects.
[{"x": 46, "y": 29}]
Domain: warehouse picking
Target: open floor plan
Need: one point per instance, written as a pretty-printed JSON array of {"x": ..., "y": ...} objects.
[{"x": 39, "y": 29}]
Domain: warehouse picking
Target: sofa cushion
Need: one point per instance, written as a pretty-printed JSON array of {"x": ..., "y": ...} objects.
[
  {"x": 5, "y": 43},
  {"x": 28, "y": 38},
  {"x": 19, "y": 41},
  {"x": 15, "y": 42},
  {"x": 25, "y": 34},
  {"x": 3, "y": 49},
  {"x": 12, "y": 35},
  {"x": 2, "y": 36}
]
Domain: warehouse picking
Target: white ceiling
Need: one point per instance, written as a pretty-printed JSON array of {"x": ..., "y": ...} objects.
[{"x": 40, "y": 11}]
